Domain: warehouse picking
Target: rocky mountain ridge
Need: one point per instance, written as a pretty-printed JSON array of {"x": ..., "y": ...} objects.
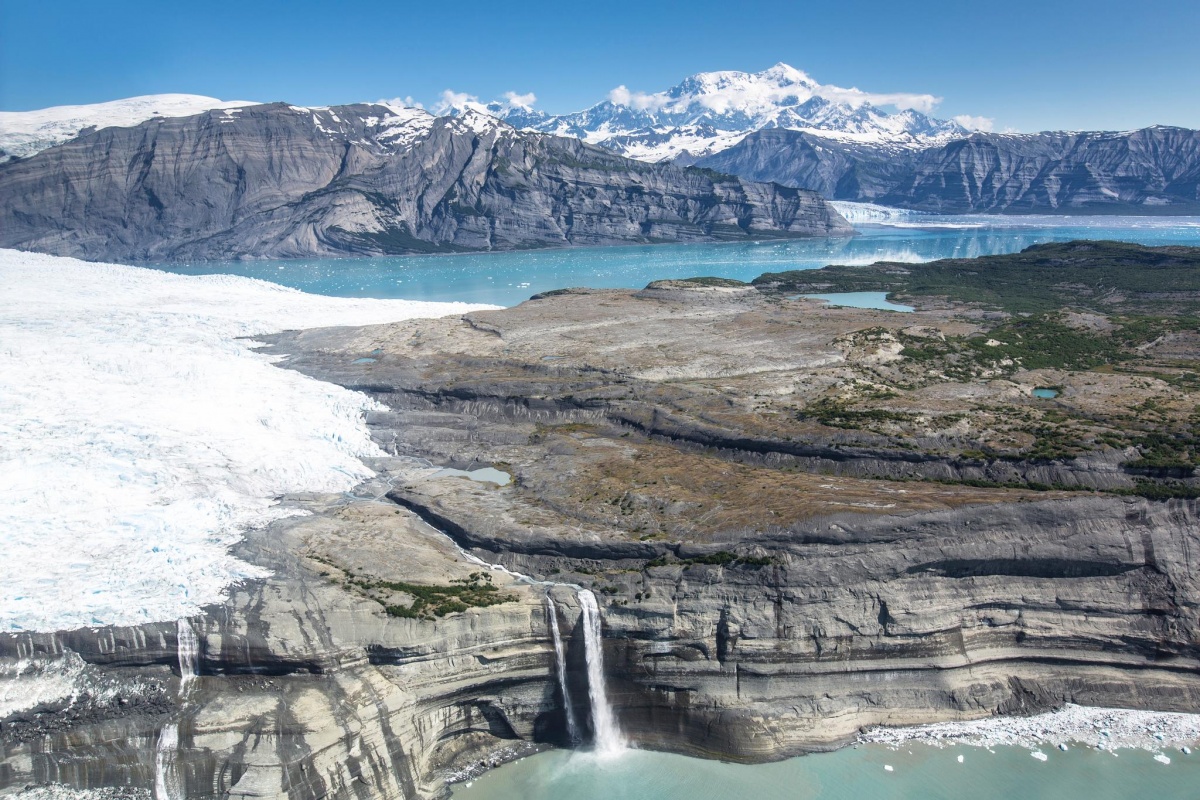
[
  {"x": 1152, "y": 170},
  {"x": 277, "y": 181}
]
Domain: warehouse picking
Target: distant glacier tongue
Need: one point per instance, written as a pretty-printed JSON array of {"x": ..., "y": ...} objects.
[{"x": 607, "y": 734}]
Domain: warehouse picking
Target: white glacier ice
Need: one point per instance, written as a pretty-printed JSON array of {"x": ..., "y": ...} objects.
[
  {"x": 139, "y": 437},
  {"x": 23, "y": 133}
]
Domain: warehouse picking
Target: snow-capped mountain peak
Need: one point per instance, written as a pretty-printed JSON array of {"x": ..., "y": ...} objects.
[{"x": 710, "y": 111}]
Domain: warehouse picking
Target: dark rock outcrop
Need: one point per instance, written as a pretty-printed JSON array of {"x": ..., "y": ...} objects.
[{"x": 275, "y": 181}]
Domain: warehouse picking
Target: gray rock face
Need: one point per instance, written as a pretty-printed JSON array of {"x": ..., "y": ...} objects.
[
  {"x": 1154, "y": 170},
  {"x": 754, "y": 632},
  {"x": 274, "y": 181},
  {"x": 304, "y": 686}
]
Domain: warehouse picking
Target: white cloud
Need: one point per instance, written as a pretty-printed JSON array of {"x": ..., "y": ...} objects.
[
  {"x": 405, "y": 102},
  {"x": 515, "y": 100},
  {"x": 636, "y": 100},
  {"x": 925, "y": 103},
  {"x": 758, "y": 92},
  {"x": 451, "y": 100},
  {"x": 975, "y": 123}
]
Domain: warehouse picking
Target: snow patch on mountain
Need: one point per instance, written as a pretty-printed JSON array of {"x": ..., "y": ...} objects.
[
  {"x": 140, "y": 435},
  {"x": 23, "y": 133},
  {"x": 712, "y": 111}
]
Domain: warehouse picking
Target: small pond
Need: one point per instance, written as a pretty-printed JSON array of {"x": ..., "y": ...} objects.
[
  {"x": 876, "y": 300},
  {"x": 483, "y": 475}
]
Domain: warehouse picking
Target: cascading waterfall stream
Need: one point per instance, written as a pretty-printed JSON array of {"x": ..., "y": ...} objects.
[
  {"x": 560, "y": 662},
  {"x": 167, "y": 782},
  {"x": 189, "y": 655},
  {"x": 607, "y": 737},
  {"x": 607, "y": 734},
  {"x": 168, "y": 779}
]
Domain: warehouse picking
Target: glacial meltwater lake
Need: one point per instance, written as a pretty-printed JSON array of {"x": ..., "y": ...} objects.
[
  {"x": 510, "y": 278},
  {"x": 927, "y": 773},
  {"x": 859, "y": 773}
]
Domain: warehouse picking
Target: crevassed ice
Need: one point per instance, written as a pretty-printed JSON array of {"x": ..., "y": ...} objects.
[{"x": 139, "y": 438}]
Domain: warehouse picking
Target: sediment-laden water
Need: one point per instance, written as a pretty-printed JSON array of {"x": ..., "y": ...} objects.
[
  {"x": 510, "y": 278},
  {"x": 919, "y": 772}
]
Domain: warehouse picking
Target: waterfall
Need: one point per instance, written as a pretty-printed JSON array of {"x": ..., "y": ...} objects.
[
  {"x": 188, "y": 649},
  {"x": 167, "y": 782},
  {"x": 560, "y": 662},
  {"x": 607, "y": 735}
]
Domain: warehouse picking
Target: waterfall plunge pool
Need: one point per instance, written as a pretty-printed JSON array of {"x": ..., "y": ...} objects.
[{"x": 918, "y": 771}]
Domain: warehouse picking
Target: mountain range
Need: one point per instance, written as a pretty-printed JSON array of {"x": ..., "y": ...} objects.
[
  {"x": 712, "y": 111},
  {"x": 781, "y": 126},
  {"x": 721, "y": 155},
  {"x": 279, "y": 181}
]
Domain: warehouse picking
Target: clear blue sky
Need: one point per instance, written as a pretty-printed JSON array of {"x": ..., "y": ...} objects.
[{"x": 1049, "y": 64}]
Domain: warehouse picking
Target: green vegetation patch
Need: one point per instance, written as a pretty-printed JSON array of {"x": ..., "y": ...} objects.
[
  {"x": 1107, "y": 276},
  {"x": 430, "y": 601},
  {"x": 836, "y": 413}
]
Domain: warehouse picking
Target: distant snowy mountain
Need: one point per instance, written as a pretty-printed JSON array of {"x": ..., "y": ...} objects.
[
  {"x": 712, "y": 111},
  {"x": 23, "y": 133}
]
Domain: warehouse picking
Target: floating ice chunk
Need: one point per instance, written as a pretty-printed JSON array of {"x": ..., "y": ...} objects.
[
  {"x": 960, "y": 759},
  {"x": 1162, "y": 759},
  {"x": 1062, "y": 746},
  {"x": 888, "y": 767},
  {"x": 1039, "y": 755}
]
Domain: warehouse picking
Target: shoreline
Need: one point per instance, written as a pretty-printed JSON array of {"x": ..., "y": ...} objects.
[{"x": 1101, "y": 728}]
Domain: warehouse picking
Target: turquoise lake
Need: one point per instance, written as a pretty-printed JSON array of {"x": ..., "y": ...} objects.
[
  {"x": 925, "y": 773},
  {"x": 510, "y": 278}
]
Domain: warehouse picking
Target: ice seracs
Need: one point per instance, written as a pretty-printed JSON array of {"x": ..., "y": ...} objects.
[{"x": 140, "y": 436}]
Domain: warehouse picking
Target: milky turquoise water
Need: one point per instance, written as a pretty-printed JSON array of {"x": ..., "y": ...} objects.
[
  {"x": 925, "y": 773},
  {"x": 877, "y": 300},
  {"x": 509, "y": 278}
]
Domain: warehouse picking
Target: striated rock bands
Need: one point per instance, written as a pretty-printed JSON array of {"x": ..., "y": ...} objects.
[
  {"x": 1153, "y": 170},
  {"x": 274, "y": 181}
]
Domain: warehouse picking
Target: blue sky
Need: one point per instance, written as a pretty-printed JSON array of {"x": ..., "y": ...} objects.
[{"x": 1053, "y": 64}]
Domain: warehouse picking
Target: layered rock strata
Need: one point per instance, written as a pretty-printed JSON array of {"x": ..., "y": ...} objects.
[
  {"x": 275, "y": 181},
  {"x": 771, "y": 580}
]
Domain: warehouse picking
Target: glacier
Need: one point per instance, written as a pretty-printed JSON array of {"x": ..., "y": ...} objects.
[
  {"x": 23, "y": 133},
  {"x": 141, "y": 434}
]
